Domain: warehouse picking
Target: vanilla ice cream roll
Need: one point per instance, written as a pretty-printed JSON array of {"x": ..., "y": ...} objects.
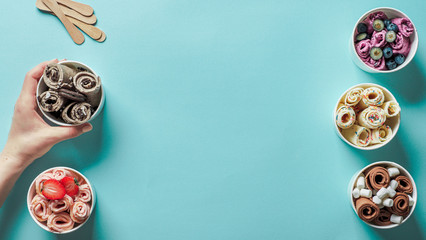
[
  {"x": 381, "y": 134},
  {"x": 58, "y": 75},
  {"x": 345, "y": 116},
  {"x": 89, "y": 85},
  {"x": 353, "y": 97},
  {"x": 50, "y": 101},
  {"x": 358, "y": 135},
  {"x": 372, "y": 117},
  {"x": 77, "y": 113},
  {"x": 391, "y": 108},
  {"x": 371, "y": 96}
]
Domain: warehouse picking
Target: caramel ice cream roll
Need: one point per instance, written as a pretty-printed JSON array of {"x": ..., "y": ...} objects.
[
  {"x": 367, "y": 210},
  {"x": 381, "y": 134},
  {"x": 353, "y": 97},
  {"x": 60, "y": 222},
  {"x": 50, "y": 101},
  {"x": 371, "y": 96},
  {"x": 372, "y": 117},
  {"x": 345, "y": 116},
  {"x": 90, "y": 85},
  {"x": 358, "y": 135},
  {"x": 400, "y": 205},
  {"x": 377, "y": 178},
  {"x": 404, "y": 184},
  {"x": 391, "y": 108},
  {"x": 40, "y": 208},
  {"x": 77, "y": 113},
  {"x": 58, "y": 75}
]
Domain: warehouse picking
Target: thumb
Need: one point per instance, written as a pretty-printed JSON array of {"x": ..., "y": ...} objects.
[{"x": 63, "y": 133}]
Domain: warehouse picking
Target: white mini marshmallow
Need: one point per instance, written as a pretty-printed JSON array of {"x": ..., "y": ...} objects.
[
  {"x": 391, "y": 192},
  {"x": 410, "y": 201},
  {"x": 365, "y": 193},
  {"x": 360, "y": 183},
  {"x": 393, "y": 184},
  {"x": 388, "y": 202},
  {"x": 355, "y": 193},
  {"x": 377, "y": 200},
  {"x": 396, "y": 219},
  {"x": 382, "y": 193},
  {"x": 393, "y": 171}
]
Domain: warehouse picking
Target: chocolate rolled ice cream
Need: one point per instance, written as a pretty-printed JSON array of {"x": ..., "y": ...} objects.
[
  {"x": 367, "y": 210},
  {"x": 72, "y": 93}
]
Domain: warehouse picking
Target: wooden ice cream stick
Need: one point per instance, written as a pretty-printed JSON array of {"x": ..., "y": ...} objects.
[
  {"x": 103, "y": 37},
  {"x": 68, "y": 12},
  {"x": 90, "y": 30},
  {"x": 84, "y": 9},
  {"x": 75, "y": 34}
]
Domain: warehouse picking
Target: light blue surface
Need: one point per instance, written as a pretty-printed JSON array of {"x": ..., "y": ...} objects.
[{"x": 218, "y": 120}]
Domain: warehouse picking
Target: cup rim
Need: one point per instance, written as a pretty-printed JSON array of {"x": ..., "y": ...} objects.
[
  {"x": 375, "y": 146},
  {"x": 403, "y": 171},
  {"x": 61, "y": 123},
  {"x": 413, "y": 46},
  {"x": 30, "y": 194}
]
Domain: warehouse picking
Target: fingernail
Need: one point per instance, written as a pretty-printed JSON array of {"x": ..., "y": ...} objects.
[{"x": 87, "y": 128}]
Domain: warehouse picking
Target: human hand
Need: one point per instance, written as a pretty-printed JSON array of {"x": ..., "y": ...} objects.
[{"x": 30, "y": 137}]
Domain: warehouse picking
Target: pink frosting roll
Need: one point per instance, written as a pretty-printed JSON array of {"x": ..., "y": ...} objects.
[
  {"x": 60, "y": 222},
  {"x": 405, "y": 26},
  {"x": 378, "y": 39},
  {"x": 40, "y": 180},
  {"x": 379, "y": 64},
  {"x": 401, "y": 45},
  {"x": 40, "y": 208},
  {"x": 363, "y": 48},
  {"x": 84, "y": 194},
  {"x": 80, "y": 212},
  {"x": 61, "y": 205},
  {"x": 373, "y": 16}
]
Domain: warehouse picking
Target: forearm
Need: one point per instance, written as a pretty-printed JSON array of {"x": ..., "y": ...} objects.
[{"x": 10, "y": 170}]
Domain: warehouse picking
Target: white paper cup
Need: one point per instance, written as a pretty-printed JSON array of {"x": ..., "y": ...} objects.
[
  {"x": 42, "y": 87},
  {"x": 32, "y": 193},
  {"x": 393, "y": 122},
  {"x": 391, "y": 13},
  {"x": 385, "y": 164}
]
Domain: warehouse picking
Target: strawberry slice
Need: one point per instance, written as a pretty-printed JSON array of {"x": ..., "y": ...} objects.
[
  {"x": 71, "y": 185},
  {"x": 53, "y": 189}
]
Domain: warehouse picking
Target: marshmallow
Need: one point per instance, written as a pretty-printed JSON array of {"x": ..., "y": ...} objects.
[
  {"x": 377, "y": 200},
  {"x": 396, "y": 219},
  {"x": 360, "y": 183},
  {"x": 355, "y": 193},
  {"x": 391, "y": 192},
  {"x": 365, "y": 193},
  {"x": 388, "y": 202},
  {"x": 393, "y": 171},
  {"x": 410, "y": 200},
  {"x": 382, "y": 193},
  {"x": 393, "y": 184}
]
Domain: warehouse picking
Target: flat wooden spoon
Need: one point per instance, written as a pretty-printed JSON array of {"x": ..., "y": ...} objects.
[
  {"x": 75, "y": 34},
  {"x": 84, "y": 9},
  {"x": 90, "y": 30},
  {"x": 68, "y": 12}
]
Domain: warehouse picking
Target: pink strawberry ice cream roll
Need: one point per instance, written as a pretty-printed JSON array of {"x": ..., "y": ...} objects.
[
  {"x": 405, "y": 26},
  {"x": 379, "y": 64},
  {"x": 60, "y": 222},
  {"x": 60, "y": 173},
  {"x": 373, "y": 16},
  {"x": 378, "y": 39},
  {"x": 61, "y": 205},
  {"x": 401, "y": 45},
  {"x": 84, "y": 194},
  {"x": 80, "y": 212},
  {"x": 363, "y": 48},
  {"x": 40, "y": 208}
]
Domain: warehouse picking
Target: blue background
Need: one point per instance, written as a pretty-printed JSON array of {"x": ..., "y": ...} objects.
[{"x": 218, "y": 120}]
